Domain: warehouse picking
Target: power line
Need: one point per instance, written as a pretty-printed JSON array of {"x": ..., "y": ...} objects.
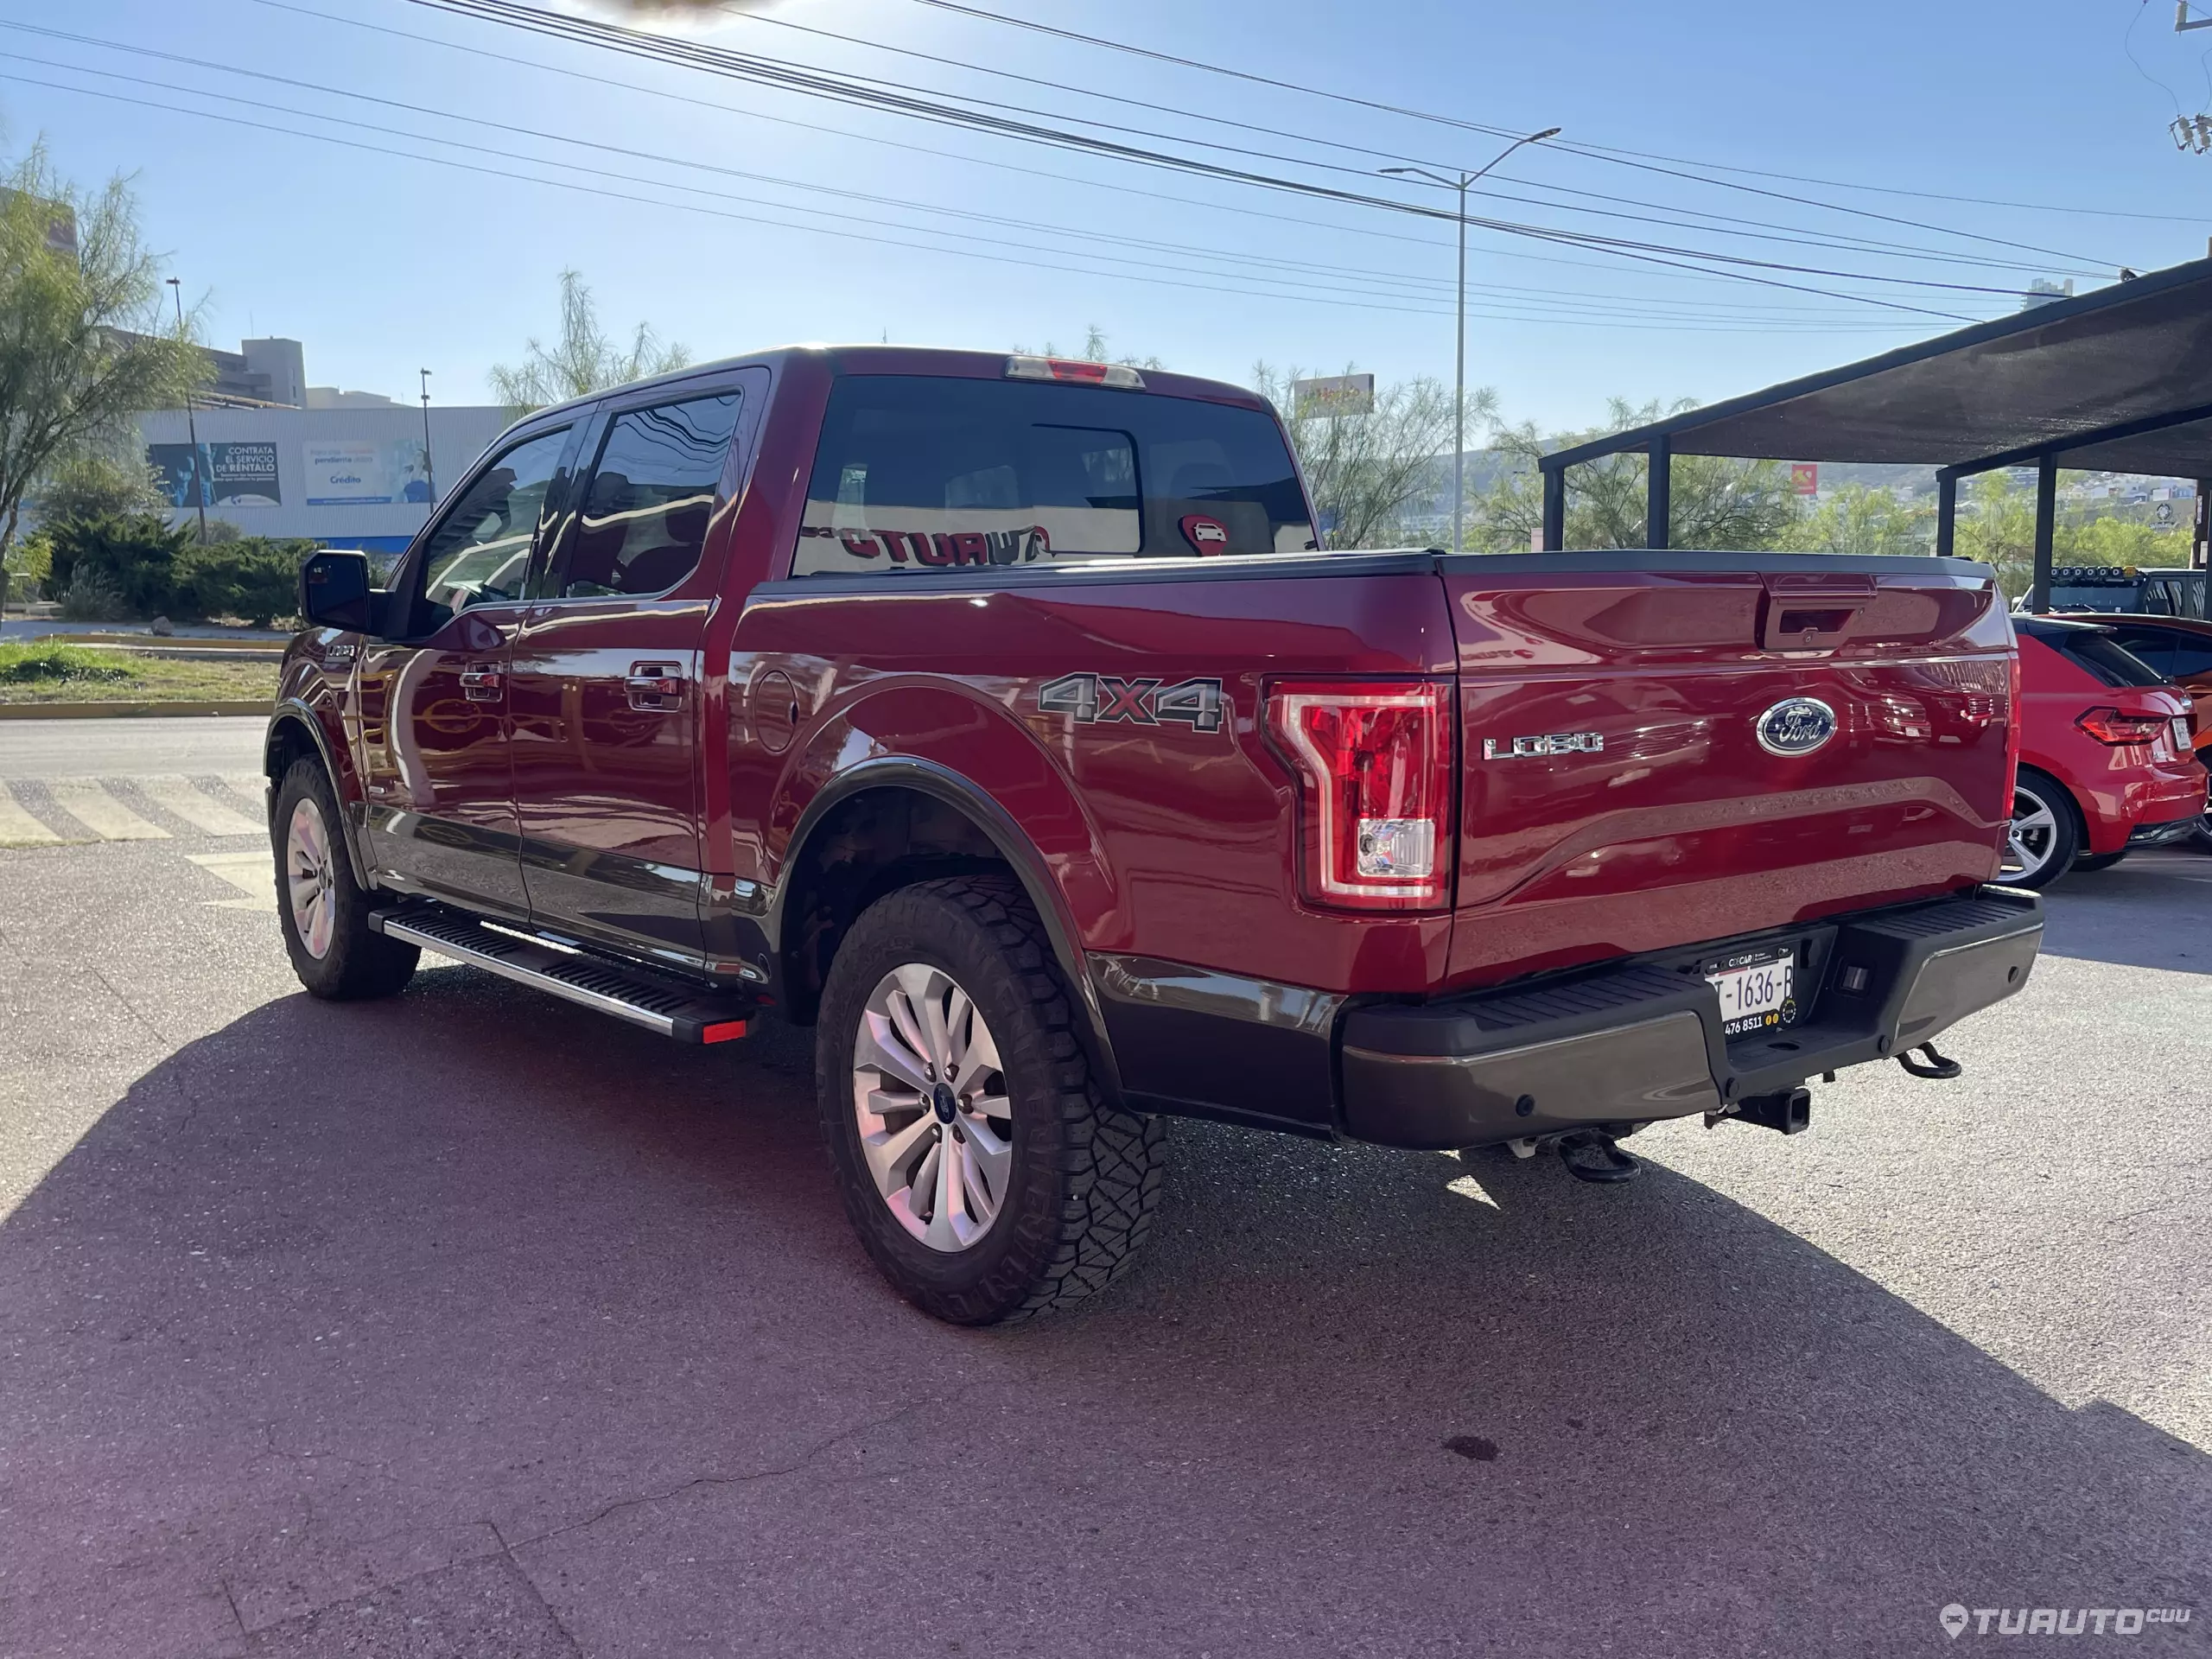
[
  {"x": 1639, "y": 320},
  {"x": 1392, "y": 156},
  {"x": 201, "y": 63},
  {"x": 1652, "y": 269},
  {"x": 1900, "y": 190},
  {"x": 772, "y": 73},
  {"x": 1569, "y": 303},
  {"x": 1597, "y": 151}
]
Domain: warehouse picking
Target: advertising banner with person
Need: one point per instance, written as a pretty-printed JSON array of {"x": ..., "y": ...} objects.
[
  {"x": 365, "y": 473},
  {"x": 231, "y": 475}
]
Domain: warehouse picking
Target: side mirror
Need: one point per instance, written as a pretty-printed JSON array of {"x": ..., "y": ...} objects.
[{"x": 335, "y": 592}]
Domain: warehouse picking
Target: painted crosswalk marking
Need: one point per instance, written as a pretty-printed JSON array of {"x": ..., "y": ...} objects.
[
  {"x": 203, "y": 812},
  {"x": 87, "y": 800},
  {"x": 19, "y": 829},
  {"x": 252, "y": 873}
]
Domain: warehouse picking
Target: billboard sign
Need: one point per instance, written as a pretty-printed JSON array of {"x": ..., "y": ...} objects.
[
  {"x": 1805, "y": 477},
  {"x": 365, "y": 473},
  {"x": 231, "y": 475},
  {"x": 1336, "y": 394}
]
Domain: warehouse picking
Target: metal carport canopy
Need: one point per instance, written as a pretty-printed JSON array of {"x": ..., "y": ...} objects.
[{"x": 2117, "y": 380}]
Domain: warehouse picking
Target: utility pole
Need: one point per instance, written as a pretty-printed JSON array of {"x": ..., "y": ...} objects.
[
  {"x": 191, "y": 426},
  {"x": 429, "y": 472},
  {"x": 1462, "y": 183}
]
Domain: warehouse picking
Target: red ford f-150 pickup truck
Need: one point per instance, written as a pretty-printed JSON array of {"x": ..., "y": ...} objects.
[{"x": 999, "y": 717}]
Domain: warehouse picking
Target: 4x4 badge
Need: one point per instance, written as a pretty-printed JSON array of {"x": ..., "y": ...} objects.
[{"x": 1106, "y": 699}]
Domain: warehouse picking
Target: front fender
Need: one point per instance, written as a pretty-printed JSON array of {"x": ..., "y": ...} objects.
[{"x": 311, "y": 704}]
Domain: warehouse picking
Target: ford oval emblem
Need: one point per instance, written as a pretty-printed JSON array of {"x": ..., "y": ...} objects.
[{"x": 1795, "y": 725}]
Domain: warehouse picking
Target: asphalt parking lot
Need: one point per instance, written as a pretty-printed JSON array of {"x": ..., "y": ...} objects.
[{"x": 466, "y": 1324}]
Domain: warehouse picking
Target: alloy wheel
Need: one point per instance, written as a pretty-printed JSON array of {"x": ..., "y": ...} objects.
[
  {"x": 309, "y": 876},
  {"x": 2032, "y": 837},
  {"x": 930, "y": 1097}
]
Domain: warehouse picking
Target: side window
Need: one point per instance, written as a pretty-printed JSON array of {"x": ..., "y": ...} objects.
[
  {"x": 2151, "y": 646},
  {"x": 644, "y": 519},
  {"x": 480, "y": 552}
]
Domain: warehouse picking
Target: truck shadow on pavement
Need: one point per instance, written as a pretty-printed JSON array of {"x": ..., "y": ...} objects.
[{"x": 464, "y": 1323}]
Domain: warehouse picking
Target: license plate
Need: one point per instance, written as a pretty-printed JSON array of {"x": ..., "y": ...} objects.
[{"x": 1755, "y": 996}]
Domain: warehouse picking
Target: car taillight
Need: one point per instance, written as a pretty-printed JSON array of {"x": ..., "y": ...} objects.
[
  {"x": 2012, "y": 724},
  {"x": 1063, "y": 368},
  {"x": 1374, "y": 760},
  {"x": 2116, "y": 726}
]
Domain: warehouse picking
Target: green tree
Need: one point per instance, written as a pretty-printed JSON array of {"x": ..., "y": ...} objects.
[
  {"x": 582, "y": 359},
  {"x": 1095, "y": 347},
  {"x": 2119, "y": 540},
  {"x": 1714, "y": 503},
  {"x": 1365, "y": 471},
  {"x": 132, "y": 557},
  {"x": 1857, "y": 519},
  {"x": 98, "y": 483},
  {"x": 1996, "y": 526},
  {"x": 84, "y": 345}
]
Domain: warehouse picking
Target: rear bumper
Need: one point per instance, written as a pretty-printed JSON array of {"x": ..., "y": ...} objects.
[
  {"x": 2158, "y": 834},
  {"x": 1634, "y": 1043},
  {"x": 2148, "y": 796}
]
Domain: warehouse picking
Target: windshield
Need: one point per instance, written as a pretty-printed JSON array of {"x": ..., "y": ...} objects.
[{"x": 915, "y": 472}]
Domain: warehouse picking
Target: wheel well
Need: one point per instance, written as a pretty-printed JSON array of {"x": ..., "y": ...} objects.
[
  {"x": 288, "y": 742},
  {"x": 2056, "y": 787},
  {"x": 866, "y": 846}
]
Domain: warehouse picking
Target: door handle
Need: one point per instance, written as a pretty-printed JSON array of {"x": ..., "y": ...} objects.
[
  {"x": 482, "y": 684},
  {"x": 656, "y": 687}
]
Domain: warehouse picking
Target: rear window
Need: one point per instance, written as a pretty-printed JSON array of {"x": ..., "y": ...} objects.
[
  {"x": 916, "y": 472},
  {"x": 2099, "y": 653}
]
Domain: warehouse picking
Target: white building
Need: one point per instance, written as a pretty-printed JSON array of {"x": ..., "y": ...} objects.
[{"x": 352, "y": 474}]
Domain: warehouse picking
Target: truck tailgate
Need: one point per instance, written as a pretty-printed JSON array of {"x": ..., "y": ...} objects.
[{"x": 1663, "y": 748}]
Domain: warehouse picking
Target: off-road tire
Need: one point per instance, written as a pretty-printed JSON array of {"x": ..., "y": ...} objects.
[
  {"x": 360, "y": 964},
  {"x": 1086, "y": 1173}
]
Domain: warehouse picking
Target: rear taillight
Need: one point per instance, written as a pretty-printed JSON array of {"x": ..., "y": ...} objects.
[
  {"x": 1374, "y": 760},
  {"x": 1118, "y": 375},
  {"x": 2116, "y": 726},
  {"x": 2012, "y": 724}
]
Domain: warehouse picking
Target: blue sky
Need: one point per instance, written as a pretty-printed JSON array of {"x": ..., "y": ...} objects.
[{"x": 382, "y": 263}]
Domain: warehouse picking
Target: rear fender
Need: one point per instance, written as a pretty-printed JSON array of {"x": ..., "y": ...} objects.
[{"x": 969, "y": 753}]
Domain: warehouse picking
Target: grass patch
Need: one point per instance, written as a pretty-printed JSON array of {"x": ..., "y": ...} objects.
[
  {"x": 32, "y": 671},
  {"x": 35, "y": 663}
]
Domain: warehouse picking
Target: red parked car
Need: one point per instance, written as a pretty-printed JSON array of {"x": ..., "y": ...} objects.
[
  {"x": 2106, "y": 762},
  {"x": 2180, "y": 649}
]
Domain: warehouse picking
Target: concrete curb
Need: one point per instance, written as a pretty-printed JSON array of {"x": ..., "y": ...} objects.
[
  {"x": 134, "y": 710},
  {"x": 273, "y": 646}
]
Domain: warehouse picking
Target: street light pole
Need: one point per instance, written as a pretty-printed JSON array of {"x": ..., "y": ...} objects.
[
  {"x": 191, "y": 425},
  {"x": 1463, "y": 183},
  {"x": 429, "y": 471}
]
